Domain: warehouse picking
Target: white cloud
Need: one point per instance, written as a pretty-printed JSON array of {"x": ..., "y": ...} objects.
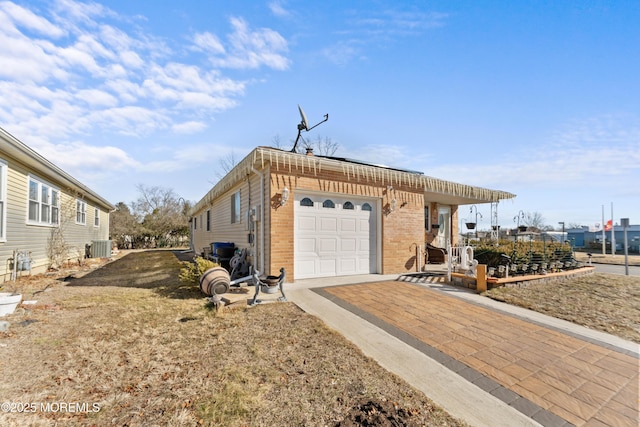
[
  {"x": 96, "y": 97},
  {"x": 189, "y": 127},
  {"x": 364, "y": 28},
  {"x": 75, "y": 68},
  {"x": 391, "y": 22},
  {"x": 77, "y": 75},
  {"x": 94, "y": 158},
  {"x": 253, "y": 49},
  {"x": 27, "y": 19},
  {"x": 606, "y": 146},
  {"x": 277, "y": 8},
  {"x": 344, "y": 51},
  {"x": 208, "y": 42},
  {"x": 188, "y": 157}
]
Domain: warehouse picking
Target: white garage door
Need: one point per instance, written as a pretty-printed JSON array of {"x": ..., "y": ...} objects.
[{"x": 334, "y": 236}]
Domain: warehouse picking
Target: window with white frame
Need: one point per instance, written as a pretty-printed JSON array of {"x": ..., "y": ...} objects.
[
  {"x": 44, "y": 203},
  {"x": 235, "y": 207},
  {"x": 81, "y": 212},
  {"x": 96, "y": 217},
  {"x": 3, "y": 199}
]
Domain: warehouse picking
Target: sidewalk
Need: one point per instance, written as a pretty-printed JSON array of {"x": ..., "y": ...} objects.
[{"x": 488, "y": 363}]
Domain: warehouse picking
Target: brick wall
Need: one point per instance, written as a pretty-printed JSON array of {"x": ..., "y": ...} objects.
[{"x": 402, "y": 229}]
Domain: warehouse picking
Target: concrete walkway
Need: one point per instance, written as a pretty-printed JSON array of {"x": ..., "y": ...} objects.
[{"x": 486, "y": 362}]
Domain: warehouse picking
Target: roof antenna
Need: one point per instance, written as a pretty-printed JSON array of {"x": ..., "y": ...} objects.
[{"x": 304, "y": 126}]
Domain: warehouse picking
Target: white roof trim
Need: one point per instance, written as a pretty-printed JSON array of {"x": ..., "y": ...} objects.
[{"x": 286, "y": 161}]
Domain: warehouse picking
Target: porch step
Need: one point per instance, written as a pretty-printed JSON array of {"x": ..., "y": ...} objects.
[{"x": 426, "y": 277}]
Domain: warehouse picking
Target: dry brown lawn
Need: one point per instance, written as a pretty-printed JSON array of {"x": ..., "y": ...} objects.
[
  {"x": 605, "y": 302},
  {"x": 607, "y": 258},
  {"x": 127, "y": 344}
]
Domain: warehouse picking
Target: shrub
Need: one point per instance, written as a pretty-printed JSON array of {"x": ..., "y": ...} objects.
[
  {"x": 191, "y": 271},
  {"x": 521, "y": 252}
]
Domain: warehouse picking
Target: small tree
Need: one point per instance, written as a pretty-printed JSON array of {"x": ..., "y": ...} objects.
[
  {"x": 123, "y": 226},
  {"x": 58, "y": 249},
  {"x": 162, "y": 216},
  {"x": 324, "y": 146},
  {"x": 535, "y": 220},
  {"x": 227, "y": 163}
]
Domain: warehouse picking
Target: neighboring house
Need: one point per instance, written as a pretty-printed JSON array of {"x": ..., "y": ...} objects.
[
  {"x": 45, "y": 213},
  {"x": 320, "y": 216}
]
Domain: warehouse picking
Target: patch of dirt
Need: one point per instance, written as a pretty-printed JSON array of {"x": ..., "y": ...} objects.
[{"x": 378, "y": 413}]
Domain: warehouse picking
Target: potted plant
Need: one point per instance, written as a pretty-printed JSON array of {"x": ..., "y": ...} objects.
[{"x": 470, "y": 225}]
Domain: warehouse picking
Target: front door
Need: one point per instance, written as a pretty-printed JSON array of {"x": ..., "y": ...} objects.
[{"x": 444, "y": 222}]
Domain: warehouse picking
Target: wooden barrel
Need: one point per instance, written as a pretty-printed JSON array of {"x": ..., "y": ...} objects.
[{"x": 215, "y": 281}]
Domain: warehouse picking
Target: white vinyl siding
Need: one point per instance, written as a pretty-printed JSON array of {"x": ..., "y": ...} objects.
[
  {"x": 43, "y": 203},
  {"x": 17, "y": 178},
  {"x": 222, "y": 210},
  {"x": 3, "y": 200}
]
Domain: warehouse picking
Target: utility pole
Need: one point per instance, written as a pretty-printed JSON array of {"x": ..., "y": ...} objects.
[
  {"x": 604, "y": 236},
  {"x": 625, "y": 224}
]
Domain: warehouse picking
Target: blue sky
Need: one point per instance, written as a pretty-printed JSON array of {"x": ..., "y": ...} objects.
[{"x": 541, "y": 99}]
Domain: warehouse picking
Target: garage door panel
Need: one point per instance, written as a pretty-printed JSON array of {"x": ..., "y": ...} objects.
[
  {"x": 366, "y": 264},
  {"x": 348, "y": 225},
  {"x": 327, "y": 267},
  {"x": 348, "y": 245},
  {"x": 364, "y": 245},
  {"x": 306, "y": 246},
  {"x": 327, "y": 245},
  {"x": 328, "y": 224},
  {"x": 307, "y": 223},
  {"x": 349, "y": 265},
  {"x": 306, "y": 268}
]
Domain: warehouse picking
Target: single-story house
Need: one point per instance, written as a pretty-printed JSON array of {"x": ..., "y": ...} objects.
[
  {"x": 321, "y": 216},
  {"x": 46, "y": 216}
]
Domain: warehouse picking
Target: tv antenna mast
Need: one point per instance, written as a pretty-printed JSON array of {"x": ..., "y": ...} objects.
[{"x": 304, "y": 126}]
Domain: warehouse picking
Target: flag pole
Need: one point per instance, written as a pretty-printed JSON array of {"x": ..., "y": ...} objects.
[
  {"x": 613, "y": 234},
  {"x": 604, "y": 236}
]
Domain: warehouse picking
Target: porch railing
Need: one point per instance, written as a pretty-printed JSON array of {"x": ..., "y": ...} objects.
[{"x": 460, "y": 257}]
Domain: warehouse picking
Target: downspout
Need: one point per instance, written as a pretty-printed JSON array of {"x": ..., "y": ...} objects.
[
  {"x": 262, "y": 218},
  {"x": 191, "y": 235}
]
